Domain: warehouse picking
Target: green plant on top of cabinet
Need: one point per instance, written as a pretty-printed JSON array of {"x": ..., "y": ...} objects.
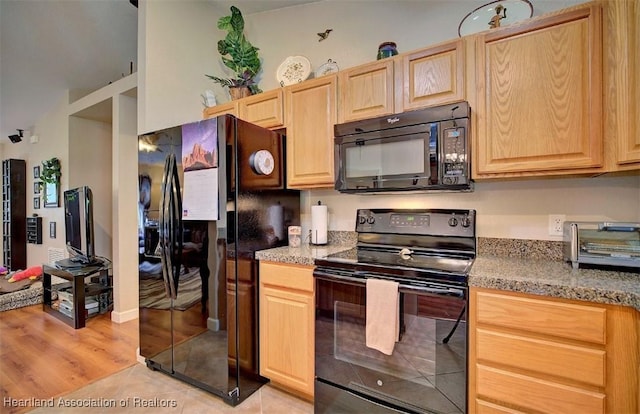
[
  {"x": 310, "y": 114},
  {"x": 539, "y": 87}
]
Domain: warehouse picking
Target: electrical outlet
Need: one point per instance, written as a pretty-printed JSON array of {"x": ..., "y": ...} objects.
[{"x": 555, "y": 224}]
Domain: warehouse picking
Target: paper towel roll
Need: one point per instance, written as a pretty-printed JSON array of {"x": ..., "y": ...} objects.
[
  {"x": 275, "y": 219},
  {"x": 319, "y": 224}
]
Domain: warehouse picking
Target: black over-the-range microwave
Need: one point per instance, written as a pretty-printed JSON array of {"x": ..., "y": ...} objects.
[{"x": 422, "y": 150}]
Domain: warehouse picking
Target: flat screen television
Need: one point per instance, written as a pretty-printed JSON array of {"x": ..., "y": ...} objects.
[{"x": 78, "y": 226}]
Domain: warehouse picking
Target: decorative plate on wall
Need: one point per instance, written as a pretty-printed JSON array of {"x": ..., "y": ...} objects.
[
  {"x": 497, "y": 13},
  {"x": 327, "y": 68},
  {"x": 293, "y": 70}
]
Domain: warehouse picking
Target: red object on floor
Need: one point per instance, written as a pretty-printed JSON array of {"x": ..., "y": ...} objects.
[{"x": 32, "y": 272}]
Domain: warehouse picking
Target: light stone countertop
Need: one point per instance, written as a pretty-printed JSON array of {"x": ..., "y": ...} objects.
[
  {"x": 537, "y": 277},
  {"x": 304, "y": 255},
  {"x": 556, "y": 279}
]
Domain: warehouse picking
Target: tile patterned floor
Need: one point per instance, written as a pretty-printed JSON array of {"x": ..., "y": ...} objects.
[{"x": 129, "y": 390}]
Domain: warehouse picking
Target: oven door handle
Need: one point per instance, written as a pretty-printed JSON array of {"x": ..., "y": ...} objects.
[{"x": 425, "y": 288}]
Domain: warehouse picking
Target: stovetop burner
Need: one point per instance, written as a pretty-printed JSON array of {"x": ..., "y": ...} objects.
[{"x": 410, "y": 245}]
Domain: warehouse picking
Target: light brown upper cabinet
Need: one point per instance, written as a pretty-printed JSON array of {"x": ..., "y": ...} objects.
[
  {"x": 622, "y": 77},
  {"x": 366, "y": 91},
  {"x": 221, "y": 109},
  {"x": 310, "y": 114},
  {"x": 426, "y": 77},
  {"x": 264, "y": 109},
  {"x": 539, "y": 96},
  {"x": 433, "y": 76}
]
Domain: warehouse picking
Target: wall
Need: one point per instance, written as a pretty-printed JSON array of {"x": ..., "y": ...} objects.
[
  {"x": 52, "y": 131},
  {"x": 177, "y": 45},
  {"x": 90, "y": 165},
  {"x": 512, "y": 209},
  {"x": 95, "y": 138},
  {"x": 358, "y": 28}
]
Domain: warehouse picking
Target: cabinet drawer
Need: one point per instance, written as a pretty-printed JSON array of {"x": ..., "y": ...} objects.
[
  {"x": 289, "y": 276},
  {"x": 484, "y": 407},
  {"x": 542, "y": 356},
  {"x": 536, "y": 394},
  {"x": 545, "y": 317}
]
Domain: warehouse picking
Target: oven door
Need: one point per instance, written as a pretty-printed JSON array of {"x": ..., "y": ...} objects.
[
  {"x": 398, "y": 159},
  {"x": 427, "y": 371}
]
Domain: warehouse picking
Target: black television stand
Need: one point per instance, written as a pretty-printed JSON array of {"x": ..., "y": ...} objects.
[
  {"x": 76, "y": 264},
  {"x": 81, "y": 282}
]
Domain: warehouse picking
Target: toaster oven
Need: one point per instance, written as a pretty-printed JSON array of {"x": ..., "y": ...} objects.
[{"x": 602, "y": 243}]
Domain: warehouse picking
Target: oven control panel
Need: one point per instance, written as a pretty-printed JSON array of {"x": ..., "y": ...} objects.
[{"x": 434, "y": 222}]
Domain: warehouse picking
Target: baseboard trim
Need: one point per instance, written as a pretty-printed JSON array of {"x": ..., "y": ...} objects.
[
  {"x": 213, "y": 324},
  {"x": 126, "y": 316}
]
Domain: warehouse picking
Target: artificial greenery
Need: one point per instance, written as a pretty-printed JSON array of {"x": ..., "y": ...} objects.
[
  {"x": 50, "y": 171},
  {"x": 237, "y": 53}
]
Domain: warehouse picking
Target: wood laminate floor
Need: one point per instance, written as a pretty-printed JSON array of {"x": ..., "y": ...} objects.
[{"x": 43, "y": 361}]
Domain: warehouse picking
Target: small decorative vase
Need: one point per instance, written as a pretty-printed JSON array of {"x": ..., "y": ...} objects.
[
  {"x": 239, "y": 92},
  {"x": 387, "y": 49}
]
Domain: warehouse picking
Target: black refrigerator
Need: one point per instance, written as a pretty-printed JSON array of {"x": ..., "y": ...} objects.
[{"x": 212, "y": 193}]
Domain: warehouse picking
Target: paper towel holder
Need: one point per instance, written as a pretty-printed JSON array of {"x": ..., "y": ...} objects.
[{"x": 318, "y": 231}]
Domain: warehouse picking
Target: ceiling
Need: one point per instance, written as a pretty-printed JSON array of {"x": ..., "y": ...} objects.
[{"x": 50, "y": 46}]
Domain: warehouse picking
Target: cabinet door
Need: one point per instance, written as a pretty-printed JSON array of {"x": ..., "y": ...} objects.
[
  {"x": 264, "y": 109},
  {"x": 540, "y": 95},
  {"x": 433, "y": 76},
  {"x": 242, "y": 297},
  {"x": 287, "y": 326},
  {"x": 222, "y": 109},
  {"x": 310, "y": 113},
  {"x": 366, "y": 91},
  {"x": 623, "y": 80},
  {"x": 539, "y": 354}
]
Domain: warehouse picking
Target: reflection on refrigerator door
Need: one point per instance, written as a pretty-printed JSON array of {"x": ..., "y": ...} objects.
[
  {"x": 183, "y": 326},
  {"x": 205, "y": 330}
]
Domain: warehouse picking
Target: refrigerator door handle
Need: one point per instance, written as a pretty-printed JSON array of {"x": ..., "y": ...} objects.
[
  {"x": 176, "y": 228},
  {"x": 163, "y": 228}
]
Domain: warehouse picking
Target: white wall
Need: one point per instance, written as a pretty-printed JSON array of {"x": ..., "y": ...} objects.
[
  {"x": 177, "y": 45},
  {"x": 125, "y": 203},
  {"x": 52, "y": 131},
  {"x": 102, "y": 153},
  {"x": 513, "y": 209},
  {"x": 358, "y": 28},
  {"x": 90, "y": 164}
]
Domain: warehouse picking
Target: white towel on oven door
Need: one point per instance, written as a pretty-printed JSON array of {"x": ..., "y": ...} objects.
[{"x": 383, "y": 312}]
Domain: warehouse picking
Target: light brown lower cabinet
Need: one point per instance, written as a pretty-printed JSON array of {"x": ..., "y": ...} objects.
[
  {"x": 534, "y": 354},
  {"x": 287, "y": 309}
]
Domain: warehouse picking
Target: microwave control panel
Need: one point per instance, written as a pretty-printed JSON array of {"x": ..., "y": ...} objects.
[{"x": 454, "y": 155}]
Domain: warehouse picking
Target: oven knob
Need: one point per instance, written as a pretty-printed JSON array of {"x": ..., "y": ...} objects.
[
  {"x": 362, "y": 219},
  {"x": 453, "y": 222},
  {"x": 466, "y": 222},
  {"x": 371, "y": 220}
]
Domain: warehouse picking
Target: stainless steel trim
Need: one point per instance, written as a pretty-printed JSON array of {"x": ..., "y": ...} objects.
[{"x": 619, "y": 226}]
